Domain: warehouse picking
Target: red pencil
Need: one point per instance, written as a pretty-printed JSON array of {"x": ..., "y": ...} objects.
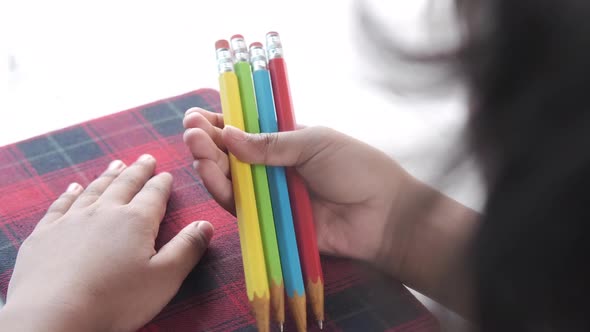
[{"x": 300, "y": 202}]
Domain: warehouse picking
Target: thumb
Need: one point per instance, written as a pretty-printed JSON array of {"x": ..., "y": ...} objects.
[
  {"x": 290, "y": 148},
  {"x": 184, "y": 251}
]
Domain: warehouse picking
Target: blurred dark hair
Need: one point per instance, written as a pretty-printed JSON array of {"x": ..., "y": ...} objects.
[{"x": 526, "y": 66}]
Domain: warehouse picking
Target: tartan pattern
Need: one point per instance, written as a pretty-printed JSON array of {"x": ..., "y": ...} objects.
[{"x": 213, "y": 297}]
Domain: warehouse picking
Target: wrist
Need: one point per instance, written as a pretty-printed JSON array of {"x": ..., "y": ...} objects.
[
  {"x": 407, "y": 200},
  {"x": 432, "y": 256}
]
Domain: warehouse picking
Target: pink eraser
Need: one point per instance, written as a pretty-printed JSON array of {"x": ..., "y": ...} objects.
[
  {"x": 222, "y": 43},
  {"x": 256, "y": 44}
]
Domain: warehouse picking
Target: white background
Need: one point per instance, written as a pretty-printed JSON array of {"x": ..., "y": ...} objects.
[{"x": 64, "y": 62}]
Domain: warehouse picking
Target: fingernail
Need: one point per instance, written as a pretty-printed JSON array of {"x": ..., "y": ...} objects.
[
  {"x": 115, "y": 164},
  {"x": 206, "y": 229},
  {"x": 236, "y": 133},
  {"x": 145, "y": 157},
  {"x": 195, "y": 164},
  {"x": 73, "y": 187}
]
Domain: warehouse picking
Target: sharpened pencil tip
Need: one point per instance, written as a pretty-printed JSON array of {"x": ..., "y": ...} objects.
[
  {"x": 281, "y": 327},
  {"x": 321, "y": 324}
]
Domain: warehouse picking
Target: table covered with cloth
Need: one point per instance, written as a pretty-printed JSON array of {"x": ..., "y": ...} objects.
[{"x": 33, "y": 173}]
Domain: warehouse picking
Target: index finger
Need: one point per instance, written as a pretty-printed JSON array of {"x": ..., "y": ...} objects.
[{"x": 198, "y": 120}]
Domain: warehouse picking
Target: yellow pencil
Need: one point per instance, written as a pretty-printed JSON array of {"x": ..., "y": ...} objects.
[{"x": 243, "y": 187}]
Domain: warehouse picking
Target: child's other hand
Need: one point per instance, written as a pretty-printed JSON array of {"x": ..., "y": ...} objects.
[{"x": 90, "y": 264}]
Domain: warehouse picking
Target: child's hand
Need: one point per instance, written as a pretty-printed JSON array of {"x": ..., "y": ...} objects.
[
  {"x": 90, "y": 264},
  {"x": 356, "y": 190}
]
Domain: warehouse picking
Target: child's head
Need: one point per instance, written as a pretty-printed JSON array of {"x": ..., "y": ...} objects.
[{"x": 526, "y": 65}]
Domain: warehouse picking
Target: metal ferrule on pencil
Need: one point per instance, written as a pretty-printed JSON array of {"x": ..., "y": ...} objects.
[
  {"x": 240, "y": 49},
  {"x": 274, "y": 47},
  {"x": 257, "y": 58},
  {"x": 224, "y": 60}
]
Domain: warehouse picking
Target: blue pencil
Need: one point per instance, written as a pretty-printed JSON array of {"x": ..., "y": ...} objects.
[{"x": 277, "y": 181}]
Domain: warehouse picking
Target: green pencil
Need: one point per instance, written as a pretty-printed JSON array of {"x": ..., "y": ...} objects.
[{"x": 261, "y": 188}]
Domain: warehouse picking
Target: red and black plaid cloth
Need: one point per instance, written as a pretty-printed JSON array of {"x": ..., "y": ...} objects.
[{"x": 213, "y": 297}]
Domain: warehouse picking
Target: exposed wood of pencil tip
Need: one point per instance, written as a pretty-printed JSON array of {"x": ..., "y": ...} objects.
[
  {"x": 261, "y": 308},
  {"x": 315, "y": 293},
  {"x": 277, "y": 301},
  {"x": 299, "y": 311}
]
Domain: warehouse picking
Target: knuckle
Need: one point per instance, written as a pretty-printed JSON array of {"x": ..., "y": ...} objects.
[
  {"x": 86, "y": 200},
  {"x": 136, "y": 213},
  {"x": 91, "y": 193},
  {"x": 157, "y": 189},
  {"x": 66, "y": 197},
  {"x": 160, "y": 184},
  {"x": 90, "y": 211},
  {"x": 129, "y": 180},
  {"x": 108, "y": 175},
  {"x": 268, "y": 143},
  {"x": 270, "y": 139}
]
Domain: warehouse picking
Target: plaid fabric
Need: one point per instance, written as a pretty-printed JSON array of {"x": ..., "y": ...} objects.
[{"x": 213, "y": 297}]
